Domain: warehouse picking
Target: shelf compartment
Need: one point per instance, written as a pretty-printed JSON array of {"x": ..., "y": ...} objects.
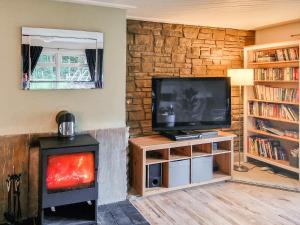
[
  {"x": 275, "y": 102},
  {"x": 162, "y": 177},
  {"x": 277, "y": 81},
  {"x": 275, "y": 119},
  {"x": 223, "y": 163},
  {"x": 160, "y": 174},
  {"x": 217, "y": 177},
  {"x": 178, "y": 153},
  {"x": 279, "y": 163},
  {"x": 202, "y": 150},
  {"x": 201, "y": 169},
  {"x": 222, "y": 147},
  {"x": 220, "y": 151},
  {"x": 78, "y": 213},
  {"x": 273, "y": 135},
  {"x": 157, "y": 156},
  {"x": 179, "y": 173},
  {"x": 274, "y": 64}
]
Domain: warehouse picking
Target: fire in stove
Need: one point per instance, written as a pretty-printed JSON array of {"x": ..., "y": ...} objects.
[{"x": 70, "y": 171}]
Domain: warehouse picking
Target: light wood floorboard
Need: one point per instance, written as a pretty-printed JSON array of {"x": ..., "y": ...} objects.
[{"x": 222, "y": 204}]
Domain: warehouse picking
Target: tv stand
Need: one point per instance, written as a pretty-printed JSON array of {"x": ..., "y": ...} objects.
[
  {"x": 180, "y": 135},
  {"x": 182, "y": 163}
]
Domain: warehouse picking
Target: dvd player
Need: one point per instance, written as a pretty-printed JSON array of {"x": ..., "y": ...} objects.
[{"x": 179, "y": 135}]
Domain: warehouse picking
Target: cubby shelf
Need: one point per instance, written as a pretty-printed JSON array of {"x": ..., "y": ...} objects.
[
  {"x": 264, "y": 133},
  {"x": 217, "y": 177},
  {"x": 151, "y": 160},
  {"x": 286, "y": 79},
  {"x": 275, "y": 119},
  {"x": 178, "y": 157},
  {"x": 276, "y": 64},
  {"x": 274, "y": 102},
  {"x": 200, "y": 154},
  {"x": 168, "y": 152},
  {"x": 220, "y": 151},
  {"x": 279, "y": 163},
  {"x": 278, "y": 81}
]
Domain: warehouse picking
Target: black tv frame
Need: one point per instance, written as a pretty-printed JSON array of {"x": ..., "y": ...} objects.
[{"x": 212, "y": 125}]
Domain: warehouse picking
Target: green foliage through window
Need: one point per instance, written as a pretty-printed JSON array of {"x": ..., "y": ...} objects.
[{"x": 61, "y": 67}]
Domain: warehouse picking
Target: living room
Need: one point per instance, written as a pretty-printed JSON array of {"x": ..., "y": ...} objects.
[{"x": 149, "y": 112}]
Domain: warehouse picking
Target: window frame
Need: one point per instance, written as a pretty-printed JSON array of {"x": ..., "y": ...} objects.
[{"x": 59, "y": 53}]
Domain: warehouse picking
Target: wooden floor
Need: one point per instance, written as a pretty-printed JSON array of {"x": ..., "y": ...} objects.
[
  {"x": 278, "y": 179},
  {"x": 222, "y": 204}
]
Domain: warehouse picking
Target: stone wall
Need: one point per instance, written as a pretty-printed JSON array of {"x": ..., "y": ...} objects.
[{"x": 160, "y": 49}]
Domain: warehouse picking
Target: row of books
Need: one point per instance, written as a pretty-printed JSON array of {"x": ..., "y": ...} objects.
[
  {"x": 263, "y": 92},
  {"x": 267, "y": 126},
  {"x": 286, "y": 54},
  {"x": 279, "y": 111},
  {"x": 266, "y": 147},
  {"x": 287, "y": 74}
]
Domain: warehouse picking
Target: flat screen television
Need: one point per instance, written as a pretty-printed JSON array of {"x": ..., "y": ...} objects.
[{"x": 191, "y": 103}]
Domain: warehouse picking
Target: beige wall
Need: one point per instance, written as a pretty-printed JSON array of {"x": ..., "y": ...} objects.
[
  {"x": 34, "y": 111},
  {"x": 278, "y": 33}
]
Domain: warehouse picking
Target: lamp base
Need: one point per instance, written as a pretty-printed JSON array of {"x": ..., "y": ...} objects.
[{"x": 240, "y": 168}]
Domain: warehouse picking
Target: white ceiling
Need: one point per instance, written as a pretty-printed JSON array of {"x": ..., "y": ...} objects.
[{"x": 240, "y": 14}]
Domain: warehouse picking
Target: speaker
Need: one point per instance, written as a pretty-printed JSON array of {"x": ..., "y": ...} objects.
[{"x": 153, "y": 175}]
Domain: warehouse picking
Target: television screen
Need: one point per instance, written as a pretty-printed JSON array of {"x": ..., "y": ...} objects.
[{"x": 191, "y": 103}]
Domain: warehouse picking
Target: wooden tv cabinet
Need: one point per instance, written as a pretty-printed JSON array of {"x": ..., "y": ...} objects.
[{"x": 167, "y": 151}]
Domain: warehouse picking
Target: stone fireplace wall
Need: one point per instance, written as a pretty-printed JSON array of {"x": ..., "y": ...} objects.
[{"x": 161, "y": 49}]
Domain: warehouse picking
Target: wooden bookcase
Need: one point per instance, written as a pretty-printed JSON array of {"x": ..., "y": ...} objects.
[
  {"x": 170, "y": 151},
  {"x": 250, "y": 98}
]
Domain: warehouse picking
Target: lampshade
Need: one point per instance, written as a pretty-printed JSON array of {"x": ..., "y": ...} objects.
[{"x": 241, "y": 77}]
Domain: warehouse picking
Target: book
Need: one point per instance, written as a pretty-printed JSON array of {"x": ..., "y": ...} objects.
[
  {"x": 265, "y": 147},
  {"x": 293, "y": 53},
  {"x": 278, "y": 111},
  {"x": 286, "y": 54},
  {"x": 283, "y": 54},
  {"x": 274, "y": 131},
  {"x": 288, "y": 74},
  {"x": 279, "y": 55},
  {"x": 265, "y": 125},
  {"x": 268, "y": 93}
]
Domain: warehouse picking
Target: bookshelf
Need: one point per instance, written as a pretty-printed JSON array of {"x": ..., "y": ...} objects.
[{"x": 271, "y": 106}]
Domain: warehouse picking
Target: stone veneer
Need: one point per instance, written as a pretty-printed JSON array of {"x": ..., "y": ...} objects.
[{"x": 161, "y": 49}]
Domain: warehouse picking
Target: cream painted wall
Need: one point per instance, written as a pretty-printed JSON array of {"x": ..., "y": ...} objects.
[
  {"x": 278, "y": 33},
  {"x": 34, "y": 111}
]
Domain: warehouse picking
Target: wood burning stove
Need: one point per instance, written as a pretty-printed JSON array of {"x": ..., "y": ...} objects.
[{"x": 68, "y": 187}]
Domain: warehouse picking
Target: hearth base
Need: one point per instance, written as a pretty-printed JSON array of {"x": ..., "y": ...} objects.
[{"x": 73, "y": 214}]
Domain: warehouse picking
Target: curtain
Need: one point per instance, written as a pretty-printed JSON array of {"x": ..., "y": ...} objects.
[
  {"x": 35, "y": 52},
  {"x": 91, "y": 60}
]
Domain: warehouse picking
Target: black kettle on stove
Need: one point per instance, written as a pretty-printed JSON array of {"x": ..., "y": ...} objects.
[{"x": 66, "y": 124}]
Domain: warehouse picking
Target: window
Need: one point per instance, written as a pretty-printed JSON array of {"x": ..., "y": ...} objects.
[{"x": 61, "y": 65}]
